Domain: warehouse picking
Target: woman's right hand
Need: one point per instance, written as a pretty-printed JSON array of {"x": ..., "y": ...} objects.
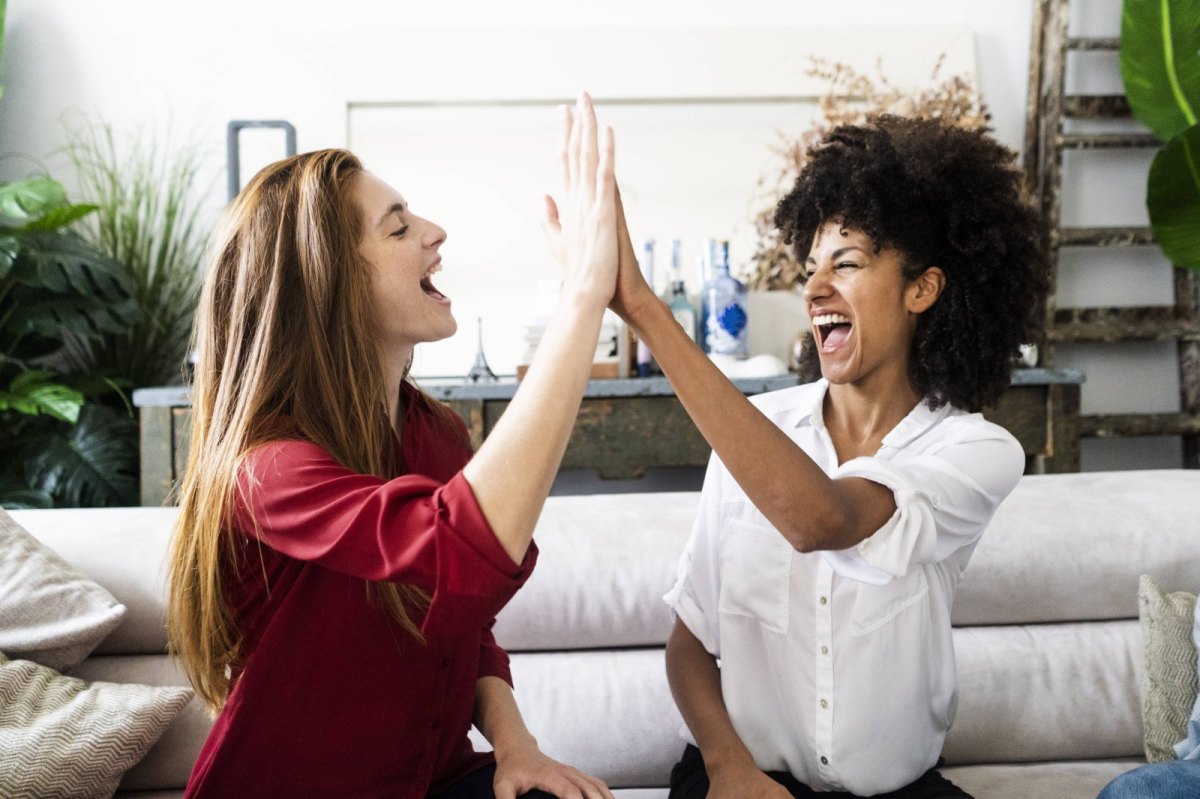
[{"x": 582, "y": 227}]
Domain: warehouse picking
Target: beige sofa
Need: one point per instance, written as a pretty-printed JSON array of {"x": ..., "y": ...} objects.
[{"x": 1048, "y": 642}]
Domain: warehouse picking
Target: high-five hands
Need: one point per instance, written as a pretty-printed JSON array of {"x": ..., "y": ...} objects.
[{"x": 582, "y": 227}]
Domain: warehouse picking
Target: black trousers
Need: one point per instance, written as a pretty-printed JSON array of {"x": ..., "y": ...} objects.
[
  {"x": 689, "y": 780},
  {"x": 478, "y": 785}
]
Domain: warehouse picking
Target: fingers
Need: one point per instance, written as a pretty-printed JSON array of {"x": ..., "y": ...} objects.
[
  {"x": 503, "y": 789},
  {"x": 605, "y": 173},
  {"x": 564, "y": 144},
  {"x": 573, "y": 148},
  {"x": 587, "y": 144},
  {"x": 550, "y": 221}
]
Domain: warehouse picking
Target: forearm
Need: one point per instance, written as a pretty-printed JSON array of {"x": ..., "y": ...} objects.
[
  {"x": 695, "y": 684},
  {"x": 512, "y": 472},
  {"x": 786, "y": 486},
  {"x": 497, "y": 715}
]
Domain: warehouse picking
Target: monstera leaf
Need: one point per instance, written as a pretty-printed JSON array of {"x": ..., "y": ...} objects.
[
  {"x": 31, "y": 198},
  {"x": 39, "y": 391},
  {"x": 93, "y": 464},
  {"x": 64, "y": 286},
  {"x": 1160, "y": 63},
  {"x": 1173, "y": 198}
]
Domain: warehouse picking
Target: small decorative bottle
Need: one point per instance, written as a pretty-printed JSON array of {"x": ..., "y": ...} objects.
[
  {"x": 645, "y": 362},
  {"x": 723, "y": 303},
  {"x": 676, "y": 296}
]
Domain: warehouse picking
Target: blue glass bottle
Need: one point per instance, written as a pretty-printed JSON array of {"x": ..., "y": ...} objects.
[{"x": 723, "y": 303}]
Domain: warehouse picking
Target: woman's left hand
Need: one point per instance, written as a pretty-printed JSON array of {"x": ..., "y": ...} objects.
[{"x": 525, "y": 768}]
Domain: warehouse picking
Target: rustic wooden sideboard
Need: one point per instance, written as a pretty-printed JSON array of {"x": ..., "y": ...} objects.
[{"x": 627, "y": 426}]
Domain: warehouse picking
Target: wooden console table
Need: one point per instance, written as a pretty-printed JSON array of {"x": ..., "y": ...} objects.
[{"x": 627, "y": 426}]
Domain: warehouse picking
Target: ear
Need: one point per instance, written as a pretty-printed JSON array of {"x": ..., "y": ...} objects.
[{"x": 924, "y": 291}]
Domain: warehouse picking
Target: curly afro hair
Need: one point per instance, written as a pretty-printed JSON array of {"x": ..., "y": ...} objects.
[{"x": 947, "y": 197}]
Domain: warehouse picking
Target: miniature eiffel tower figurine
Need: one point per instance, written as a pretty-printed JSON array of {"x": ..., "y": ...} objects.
[{"x": 480, "y": 371}]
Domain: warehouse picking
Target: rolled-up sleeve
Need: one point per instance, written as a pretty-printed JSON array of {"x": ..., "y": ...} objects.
[
  {"x": 944, "y": 501},
  {"x": 695, "y": 594},
  {"x": 412, "y": 529}
]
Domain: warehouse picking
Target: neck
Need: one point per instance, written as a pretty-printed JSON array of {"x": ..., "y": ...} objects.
[
  {"x": 394, "y": 366},
  {"x": 867, "y": 413}
]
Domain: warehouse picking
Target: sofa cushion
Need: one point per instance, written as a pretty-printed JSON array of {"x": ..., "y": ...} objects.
[
  {"x": 123, "y": 549},
  {"x": 169, "y": 762},
  {"x": 1078, "y": 780},
  {"x": 1071, "y": 547},
  {"x": 50, "y": 612},
  {"x": 62, "y": 736},
  {"x": 1170, "y": 681}
]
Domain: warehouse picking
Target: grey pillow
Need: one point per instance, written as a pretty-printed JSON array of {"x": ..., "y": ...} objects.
[
  {"x": 50, "y": 612},
  {"x": 60, "y": 736},
  {"x": 1169, "y": 681}
]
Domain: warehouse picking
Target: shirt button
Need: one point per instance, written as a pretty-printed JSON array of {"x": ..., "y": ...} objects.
[
  {"x": 824, "y": 650},
  {"x": 437, "y": 724},
  {"x": 445, "y": 662},
  {"x": 824, "y": 760},
  {"x": 824, "y": 704},
  {"x": 824, "y": 601}
]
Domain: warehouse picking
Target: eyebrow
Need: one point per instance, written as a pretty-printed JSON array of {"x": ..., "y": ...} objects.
[
  {"x": 397, "y": 208},
  {"x": 836, "y": 254}
]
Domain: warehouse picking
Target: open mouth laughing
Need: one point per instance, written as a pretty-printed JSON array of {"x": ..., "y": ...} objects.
[
  {"x": 832, "y": 329},
  {"x": 427, "y": 282}
]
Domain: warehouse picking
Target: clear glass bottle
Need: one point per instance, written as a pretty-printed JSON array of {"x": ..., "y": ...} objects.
[
  {"x": 676, "y": 297},
  {"x": 645, "y": 361},
  {"x": 723, "y": 309}
]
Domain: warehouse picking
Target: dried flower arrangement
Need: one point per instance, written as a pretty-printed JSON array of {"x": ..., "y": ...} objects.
[{"x": 851, "y": 99}]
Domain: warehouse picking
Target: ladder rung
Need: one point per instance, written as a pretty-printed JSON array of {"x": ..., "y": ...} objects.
[
  {"x": 1118, "y": 425},
  {"x": 1135, "y": 323},
  {"x": 1096, "y": 106},
  {"x": 1104, "y": 236},
  {"x": 1092, "y": 43},
  {"x": 1092, "y": 141}
]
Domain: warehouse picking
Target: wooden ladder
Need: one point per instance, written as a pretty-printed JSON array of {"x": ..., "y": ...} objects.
[{"x": 1045, "y": 143}]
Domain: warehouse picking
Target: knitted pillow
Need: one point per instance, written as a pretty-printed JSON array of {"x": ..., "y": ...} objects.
[
  {"x": 50, "y": 612},
  {"x": 63, "y": 737},
  {"x": 1170, "y": 681}
]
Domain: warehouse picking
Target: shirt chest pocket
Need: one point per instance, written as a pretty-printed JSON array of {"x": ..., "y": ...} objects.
[
  {"x": 756, "y": 568},
  {"x": 876, "y": 605}
]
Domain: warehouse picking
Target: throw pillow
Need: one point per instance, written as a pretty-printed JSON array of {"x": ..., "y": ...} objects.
[
  {"x": 1169, "y": 679},
  {"x": 63, "y": 737},
  {"x": 50, "y": 612}
]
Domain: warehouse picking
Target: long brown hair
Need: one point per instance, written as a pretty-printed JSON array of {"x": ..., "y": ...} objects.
[{"x": 284, "y": 339}]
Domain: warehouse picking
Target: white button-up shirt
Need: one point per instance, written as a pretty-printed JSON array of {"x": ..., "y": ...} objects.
[{"x": 838, "y": 667}]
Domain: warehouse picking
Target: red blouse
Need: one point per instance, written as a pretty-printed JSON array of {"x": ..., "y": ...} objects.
[{"x": 332, "y": 697}]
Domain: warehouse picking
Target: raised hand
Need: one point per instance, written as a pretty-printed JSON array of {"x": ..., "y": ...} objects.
[
  {"x": 581, "y": 226},
  {"x": 632, "y": 292}
]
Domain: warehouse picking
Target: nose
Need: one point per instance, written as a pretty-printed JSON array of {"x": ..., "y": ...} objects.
[
  {"x": 433, "y": 234},
  {"x": 817, "y": 285}
]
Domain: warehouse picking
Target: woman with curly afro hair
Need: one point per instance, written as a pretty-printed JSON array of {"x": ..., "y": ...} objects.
[{"x": 811, "y": 651}]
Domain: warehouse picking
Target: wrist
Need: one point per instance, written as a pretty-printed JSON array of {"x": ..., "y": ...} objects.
[
  {"x": 513, "y": 740},
  {"x": 719, "y": 761}
]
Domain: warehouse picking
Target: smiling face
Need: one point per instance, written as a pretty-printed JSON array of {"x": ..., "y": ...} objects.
[
  {"x": 864, "y": 312},
  {"x": 402, "y": 249}
]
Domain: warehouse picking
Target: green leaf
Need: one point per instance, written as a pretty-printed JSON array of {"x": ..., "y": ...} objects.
[
  {"x": 1160, "y": 63},
  {"x": 1173, "y": 198},
  {"x": 37, "y": 391},
  {"x": 57, "y": 316},
  {"x": 31, "y": 198},
  {"x": 9, "y": 247},
  {"x": 16, "y": 495},
  {"x": 92, "y": 464},
  {"x": 59, "y": 217},
  {"x": 63, "y": 262}
]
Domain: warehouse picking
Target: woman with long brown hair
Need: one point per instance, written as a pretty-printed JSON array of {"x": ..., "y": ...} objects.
[{"x": 340, "y": 555}]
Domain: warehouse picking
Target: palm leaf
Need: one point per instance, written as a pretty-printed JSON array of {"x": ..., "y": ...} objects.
[
  {"x": 1173, "y": 198},
  {"x": 30, "y": 198},
  {"x": 38, "y": 391},
  {"x": 92, "y": 464},
  {"x": 1160, "y": 63}
]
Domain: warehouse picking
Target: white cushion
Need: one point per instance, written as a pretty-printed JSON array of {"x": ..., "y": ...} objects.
[
  {"x": 63, "y": 737},
  {"x": 50, "y": 611},
  {"x": 123, "y": 549}
]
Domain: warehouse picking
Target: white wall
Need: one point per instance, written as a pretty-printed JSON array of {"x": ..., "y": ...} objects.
[{"x": 141, "y": 62}]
